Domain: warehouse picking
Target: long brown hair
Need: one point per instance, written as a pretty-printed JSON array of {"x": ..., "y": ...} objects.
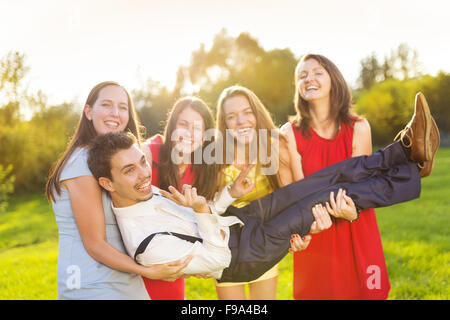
[
  {"x": 263, "y": 121},
  {"x": 340, "y": 96},
  {"x": 169, "y": 174},
  {"x": 85, "y": 133}
]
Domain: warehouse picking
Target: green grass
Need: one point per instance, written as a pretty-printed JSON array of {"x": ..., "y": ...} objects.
[
  {"x": 28, "y": 249},
  {"x": 415, "y": 235},
  {"x": 416, "y": 238}
]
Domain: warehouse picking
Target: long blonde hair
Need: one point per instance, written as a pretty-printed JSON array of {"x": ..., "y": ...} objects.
[{"x": 263, "y": 121}]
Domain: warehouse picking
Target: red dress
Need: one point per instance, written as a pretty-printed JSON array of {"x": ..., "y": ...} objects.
[
  {"x": 347, "y": 260},
  {"x": 160, "y": 289}
]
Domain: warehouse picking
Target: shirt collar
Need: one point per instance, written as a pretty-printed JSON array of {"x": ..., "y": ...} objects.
[{"x": 136, "y": 209}]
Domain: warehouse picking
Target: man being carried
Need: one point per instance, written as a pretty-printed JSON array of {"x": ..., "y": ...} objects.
[{"x": 240, "y": 245}]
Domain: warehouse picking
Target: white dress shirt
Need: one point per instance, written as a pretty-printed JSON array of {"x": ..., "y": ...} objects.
[
  {"x": 222, "y": 200},
  {"x": 159, "y": 214}
]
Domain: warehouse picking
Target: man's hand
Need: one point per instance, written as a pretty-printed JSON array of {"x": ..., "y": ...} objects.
[
  {"x": 323, "y": 219},
  {"x": 189, "y": 198},
  {"x": 343, "y": 207},
  {"x": 242, "y": 185}
]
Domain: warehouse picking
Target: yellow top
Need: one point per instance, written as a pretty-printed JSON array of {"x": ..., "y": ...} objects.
[
  {"x": 262, "y": 188},
  {"x": 262, "y": 185}
]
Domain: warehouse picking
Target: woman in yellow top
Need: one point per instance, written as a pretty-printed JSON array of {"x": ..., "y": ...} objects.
[{"x": 250, "y": 136}]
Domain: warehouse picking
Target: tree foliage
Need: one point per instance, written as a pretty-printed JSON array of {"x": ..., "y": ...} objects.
[
  {"x": 29, "y": 147},
  {"x": 403, "y": 63},
  {"x": 387, "y": 91},
  {"x": 388, "y": 105},
  {"x": 152, "y": 102},
  {"x": 437, "y": 91},
  {"x": 12, "y": 71},
  {"x": 243, "y": 61},
  {"x": 6, "y": 185}
]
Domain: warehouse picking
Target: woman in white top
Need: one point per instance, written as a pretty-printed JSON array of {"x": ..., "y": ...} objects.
[{"x": 92, "y": 262}]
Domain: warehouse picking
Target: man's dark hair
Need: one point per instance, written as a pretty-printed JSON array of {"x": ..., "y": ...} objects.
[{"x": 103, "y": 147}]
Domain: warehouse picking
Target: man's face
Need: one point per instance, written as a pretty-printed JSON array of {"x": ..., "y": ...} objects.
[{"x": 131, "y": 177}]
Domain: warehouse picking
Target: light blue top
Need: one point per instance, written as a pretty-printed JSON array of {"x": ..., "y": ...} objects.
[{"x": 79, "y": 276}]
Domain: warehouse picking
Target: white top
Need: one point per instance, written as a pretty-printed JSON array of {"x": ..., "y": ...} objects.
[{"x": 159, "y": 214}]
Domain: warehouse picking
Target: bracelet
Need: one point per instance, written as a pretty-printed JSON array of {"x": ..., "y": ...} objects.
[{"x": 358, "y": 212}]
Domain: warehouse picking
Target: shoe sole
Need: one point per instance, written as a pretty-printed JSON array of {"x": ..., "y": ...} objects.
[
  {"x": 427, "y": 115},
  {"x": 429, "y": 165}
]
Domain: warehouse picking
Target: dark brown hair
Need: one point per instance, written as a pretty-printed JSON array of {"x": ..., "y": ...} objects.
[
  {"x": 169, "y": 174},
  {"x": 340, "y": 96},
  {"x": 84, "y": 134},
  {"x": 103, "y": 147}
]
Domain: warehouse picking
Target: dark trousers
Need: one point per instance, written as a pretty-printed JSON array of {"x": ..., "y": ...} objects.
[{"x": 382, "y": 179}]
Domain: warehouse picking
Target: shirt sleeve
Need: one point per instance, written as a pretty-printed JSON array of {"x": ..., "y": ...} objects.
[
  {"x": 76, "y": 166},
  {"x": 213, "y": 254},
  {"x": 222, "y": 200}
]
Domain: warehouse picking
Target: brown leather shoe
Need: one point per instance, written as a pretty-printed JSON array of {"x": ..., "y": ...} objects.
[
  {"x": 416, "y": 134},
  {"x": 426, "y": 167}
]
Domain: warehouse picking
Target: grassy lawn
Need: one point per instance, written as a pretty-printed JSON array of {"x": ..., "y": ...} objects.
[
  {"x": 416, "y": 242},
  {"x": 28, "y": 249}
]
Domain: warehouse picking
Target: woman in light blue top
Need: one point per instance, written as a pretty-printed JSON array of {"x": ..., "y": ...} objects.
[{"x": 92, "y": 262}]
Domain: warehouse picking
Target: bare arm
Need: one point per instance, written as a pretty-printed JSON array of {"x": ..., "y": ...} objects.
[
  {"x": 362, "y": 139},
  {"x": 295, "y": 160},
  {"x": 285, "y": 166},
  {"x": 85, "y": 198}
]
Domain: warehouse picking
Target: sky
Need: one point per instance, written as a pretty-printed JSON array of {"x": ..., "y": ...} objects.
[{"x": 71, "y": 46}]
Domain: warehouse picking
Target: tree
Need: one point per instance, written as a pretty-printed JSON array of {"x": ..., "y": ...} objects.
[
  {"x": 243, "y": 61},
  {"x": 12, "y": 71},
  {"x": 29, "y": 147},
  {"x": 370, "y": 71},
  {"x": 388, "y": 106},
  {"x": 436, "y": 90},
  {"x": 387, "y": 67},
  {"x": 6, "y": 186},
  {"x": 408, "y": 65},
  {"x": 403, "y": 63},
  {"x": 153, "y": 102}
]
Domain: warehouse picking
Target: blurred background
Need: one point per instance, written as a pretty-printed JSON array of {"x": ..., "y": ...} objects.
[{"x": 53, "y": 52}]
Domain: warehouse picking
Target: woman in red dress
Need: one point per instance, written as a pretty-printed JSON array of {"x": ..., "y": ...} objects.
[
  {"x": 347, "y": 260},
  {"x": 189, "y": 119}
]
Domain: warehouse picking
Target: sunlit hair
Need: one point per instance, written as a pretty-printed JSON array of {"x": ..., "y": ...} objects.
[
  {"x": 169, "y": 173},
  {"x": 263, "y": 121},
  {"x": 85, "y": 133},
  {"x": 340, "y": 96}
]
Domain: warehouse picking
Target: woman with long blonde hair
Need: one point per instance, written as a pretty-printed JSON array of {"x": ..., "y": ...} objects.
[{"x": 250, "y": 137}]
